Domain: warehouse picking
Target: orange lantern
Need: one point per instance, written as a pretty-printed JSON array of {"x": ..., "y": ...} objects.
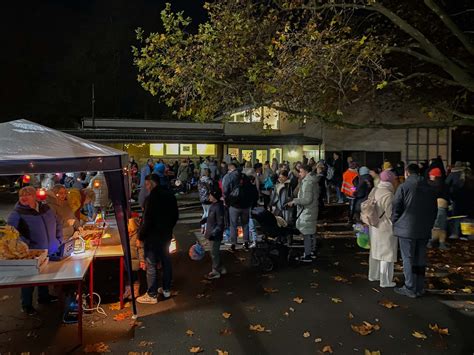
[
  {"x": 26, "y": 179},
  {"x": 96, "y": 184}
]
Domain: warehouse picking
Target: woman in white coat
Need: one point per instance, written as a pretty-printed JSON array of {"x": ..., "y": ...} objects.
[{"x": 383, "y": 244}]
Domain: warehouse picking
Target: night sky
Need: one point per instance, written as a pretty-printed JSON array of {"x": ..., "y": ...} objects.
[{"x": 53, "y": 50}]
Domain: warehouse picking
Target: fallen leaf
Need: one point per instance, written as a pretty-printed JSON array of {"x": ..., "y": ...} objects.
[
  {"x": 200, "y": 295},
  {"x": 443, "y": 331},
  {"x": 419, "y": 335},
  {"x": 122, "y": 316},
  {"x": 230, "y": 293},
  {"x": 136, "y": 323},
  {"x": 470, "y": 302},
  {"x": 388, "y": 304},
  {"x": 466, "y": 290},
  {"x": 291, "y": 309},
  {"x": 144, "y": 343},
  {"x": 364, "y": 263},
  {"x": 373, "y": 288},
  {"x": 327, "y": 349},
  {"x": 318, "y": 340},
  {"x": 97, "y": 348},
  {"x": 336, "y": 300},
  {"x": 114, "y": 306},
  {"x": 189, "y": 333},
  {"x": 226, "y": 315},
  {"x": 449, "y": 291},
  {"x": 340, "y": 279},
  {"x": 368, "y": 352},
  {"x": 306, "y": 334},
  {"x": 196, "y": 349},
  {"x": 298, "y": 300},
  {"x": 315, "y": 271},
  {"x": 225, "y": 332},
  {"x": 4, "y": 298},
  {"x": 446, "y": 281},
  {"x": 257, "y": 328},
  {"x": 351, "y": 316},
  {"x": 365, "y": 328},
  {"x": 270, "y": 290},
  {"x": 286, "y": 314},
  {"x": 314, "y": 285},
  {"x": 222, "y": 352},
  {"x": 336, "y": 263}
]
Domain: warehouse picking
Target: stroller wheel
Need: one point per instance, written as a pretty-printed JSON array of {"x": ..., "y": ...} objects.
[{"x": 266, "y": 264}]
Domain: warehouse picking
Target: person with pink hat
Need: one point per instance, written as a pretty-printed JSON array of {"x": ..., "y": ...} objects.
[{"x": 383, "y": 244}]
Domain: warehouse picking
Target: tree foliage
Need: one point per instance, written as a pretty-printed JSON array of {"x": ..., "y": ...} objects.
[{"x": 311, "y": 59}]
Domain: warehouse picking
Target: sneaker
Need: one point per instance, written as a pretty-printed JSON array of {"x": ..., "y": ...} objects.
[
  {"x": 404, "y": 292},
  {"x": 313, "y": 255},
  {"x": 48, "y": 300},
  {"x": 420, "y": 293},
  {"x": 165, "y": 294},
  {"x": 147, "y": 299},
  {"x": 453, "y": 236},
  {"x": 29, "y": 310},
  {"x": 306, "y": 259},
  {"x": 391, "y": 284},
  {"x": 253, "y": 245},
  {"x": 213, "y": 275},
  {"x": 430, "y": 244}
]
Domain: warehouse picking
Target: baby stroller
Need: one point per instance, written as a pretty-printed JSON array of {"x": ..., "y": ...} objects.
[{"x": 275, "y": 247}]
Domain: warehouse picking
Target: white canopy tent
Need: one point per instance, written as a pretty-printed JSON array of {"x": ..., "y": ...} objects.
[{"x": 30, "y": 148}]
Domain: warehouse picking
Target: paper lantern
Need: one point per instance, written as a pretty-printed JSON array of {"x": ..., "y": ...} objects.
[
  {"x": 26, "y": 179},
  {"x": 96, "y": 184},
  {"x": 41, "y": 194}
]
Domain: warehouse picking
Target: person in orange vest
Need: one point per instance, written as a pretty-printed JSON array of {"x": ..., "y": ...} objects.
[{"x": 350, "y": 180}]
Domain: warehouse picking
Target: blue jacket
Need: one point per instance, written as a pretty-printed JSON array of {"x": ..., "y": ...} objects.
[
  {"x": 414, "y": 209},
  {"x": 40, "y": 230}
]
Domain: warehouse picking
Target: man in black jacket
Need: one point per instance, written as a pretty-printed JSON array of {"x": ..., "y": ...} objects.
[
  {"x": 160, "y": 217},
  {"x": 414, "y": 213}
]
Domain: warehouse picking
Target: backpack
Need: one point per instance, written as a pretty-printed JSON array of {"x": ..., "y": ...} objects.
[
  {"x": 239, "y": 196},
  {"x": 330, "y": 173},
  {"x": 268, "y": 183},
  {"x": 369, "y": 214}
]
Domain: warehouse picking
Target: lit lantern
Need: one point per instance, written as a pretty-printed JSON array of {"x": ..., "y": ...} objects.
[
  {"x": 173, "y": 246},
  {"x": 26, "y": 179},
  {"x": 99, "y": 218},
  {"x": 96, "y": 184},
  {"x": 41, "y": 194}
]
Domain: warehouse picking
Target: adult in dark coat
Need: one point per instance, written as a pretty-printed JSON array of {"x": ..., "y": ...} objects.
[
  {"x": 413, "y": 216},
  {"x": 160, "y": 217},
  {"x": 337, "y": 176},
  {"x": 365, "y": 185}
]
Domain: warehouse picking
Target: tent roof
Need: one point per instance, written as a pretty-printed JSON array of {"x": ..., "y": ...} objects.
[{"x": 28, "y": 147}]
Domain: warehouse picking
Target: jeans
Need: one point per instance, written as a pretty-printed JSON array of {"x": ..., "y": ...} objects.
[
  {"x": 308, "y": 244},
  {"x": 252, "y": 230},
  {"x": 413, "y": 253},
  {"x": 205, "y": 209},
  {"x": 216, "y": 255},
  {"x": 27, "y": 295},
  {"x": 244, "y": 215},
  {"x": 153, "y": 255}
]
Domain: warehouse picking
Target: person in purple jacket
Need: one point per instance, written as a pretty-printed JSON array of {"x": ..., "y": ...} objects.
[{"x": 40, "y": 229}]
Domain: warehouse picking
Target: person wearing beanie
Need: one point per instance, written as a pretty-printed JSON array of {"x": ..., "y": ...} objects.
[
  {"x": 214, "y": 233},
  {"x": 383, "y": 244},
  {"x": 387, "y": 166},
  {"x": 365, "y": 185}
]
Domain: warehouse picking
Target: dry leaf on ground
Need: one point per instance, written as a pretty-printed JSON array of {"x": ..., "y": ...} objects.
[
  {"x": 97, "y": 348},
  {"x": 189, "y": 333},
  {"x": 286, "y": 314},
  {"x": 365, "y": 328},
  {"x": 350, "y": 315},
  {"x": 122, "y": 316},
  {"x": 222, "y": 352},
  {"x": 435, "y": 328},
  {"x": 298, "y": 300},
  {"x": 368, "y": 352},
  {"x": 315, "y": 271},
  {"x": 114, "y": 306},
  {"x": 225, "y": 331},
  {"x": 306, "y": 334},
  {"x": 449, "y": 291},
  {"x": 318, "y": 340},
  {"x": 336, "y": 300},
  {"x": 270, "y": 290},
  {"x": 388, "y": 304},
  {"x": 196, "y": 349},
  {"x": 470, "y": 302},
  {"x": 4, "y": 298},
  {"x": 145, "y": 343},
  {"x": 226, "y": 315},
  {"x": 314, "y": 285},
  {"x": 467, "y": 290},
  {"x": 446, "y": 281},
  {"x": 327, "y": 349},
  {"x": 257, "y": 328},
  {"x": 419, "y": 335},
  {"x": 340, "y": 279}
]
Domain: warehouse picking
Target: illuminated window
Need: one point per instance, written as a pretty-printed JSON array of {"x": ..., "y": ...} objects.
[
  {"x": 271, "y": 118},
  {"x": 172, "y": 149},
  {"x": 205, "y": 149},
  {"x": 234, "y": 152},
  {"x": 157, "y": 149},
  {"x": 248, "y": 116},
  {"x": 186, "y": 149}
]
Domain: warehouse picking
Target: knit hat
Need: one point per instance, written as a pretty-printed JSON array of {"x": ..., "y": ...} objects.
[
  {"x": 217, "y": 194},
  {"x": 387, "y": 166},
  {"x": 458, "y": 164},
  {"x": 436, "y": 172},
  {"x": 364, "y": 171},
  {"x": 387, "y": 175}
]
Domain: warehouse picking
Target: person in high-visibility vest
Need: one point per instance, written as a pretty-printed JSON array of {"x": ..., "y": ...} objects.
[{"x": 350, "y": 180}]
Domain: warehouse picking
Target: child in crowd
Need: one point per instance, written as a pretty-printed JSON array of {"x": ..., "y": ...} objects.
[
  {"x": 138, "y": 260},
  {"x": 214, "y": 232}
]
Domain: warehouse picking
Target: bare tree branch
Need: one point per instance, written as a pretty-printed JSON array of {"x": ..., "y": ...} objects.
[
  {"x": 431, "y": 76},
  {"x": 415, "y": 54},
  {"x": 462, "y": 12},
  {"x": 451, "y": 25}
]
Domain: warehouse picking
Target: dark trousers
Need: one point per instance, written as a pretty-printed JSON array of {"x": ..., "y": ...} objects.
[
  {"x": 27, "y": 295},
  {"x": 414, "y": 263},
  {"x": 153, "y": 255}
]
